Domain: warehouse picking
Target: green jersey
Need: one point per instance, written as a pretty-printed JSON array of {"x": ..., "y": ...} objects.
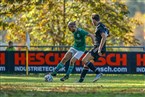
[
  {"x": 79, "y": 39},
  {"x": 10, "y": 49}
]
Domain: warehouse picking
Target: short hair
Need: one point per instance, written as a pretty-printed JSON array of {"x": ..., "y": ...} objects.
[
  {"x": 96, "y": 17},
  {"x": 72, "y": 23},
  {"x": 10, "y": 42}
]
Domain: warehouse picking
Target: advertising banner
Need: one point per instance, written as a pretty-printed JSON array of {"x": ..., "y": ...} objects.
[{"x": 46, "y": 61}]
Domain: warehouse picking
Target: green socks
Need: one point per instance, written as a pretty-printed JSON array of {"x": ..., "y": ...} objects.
[
  {"x": 70, "y": 69},
  {"x": 59, "y": 66}
]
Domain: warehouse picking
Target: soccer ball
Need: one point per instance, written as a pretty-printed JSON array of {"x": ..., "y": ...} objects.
[{"x": 48, "y": 78}]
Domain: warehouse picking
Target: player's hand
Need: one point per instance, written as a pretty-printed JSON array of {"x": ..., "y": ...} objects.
[{"x": 99, "y": 52}]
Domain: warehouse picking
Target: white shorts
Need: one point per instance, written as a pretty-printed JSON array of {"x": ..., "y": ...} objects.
[{"x": 75, "y": 53}]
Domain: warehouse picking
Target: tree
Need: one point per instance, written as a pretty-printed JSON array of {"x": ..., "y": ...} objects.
[{"x": 47, "y": 21}]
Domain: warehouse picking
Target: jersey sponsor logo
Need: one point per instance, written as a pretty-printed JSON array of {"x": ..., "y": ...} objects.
[
  {"x": 78, "y": 40},
  {"x": 78, "y": 35}
]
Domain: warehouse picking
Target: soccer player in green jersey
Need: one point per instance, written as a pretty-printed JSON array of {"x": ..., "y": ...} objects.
[
  {"x": 76, "y": 51},
  {"x": 10, "y": 46}
]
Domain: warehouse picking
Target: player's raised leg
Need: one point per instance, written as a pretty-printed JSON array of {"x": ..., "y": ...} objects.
[
  {"x": 76, "y": 57},
  {"x": 70, "y": 69},
  {"x": 67, "y": 56}
]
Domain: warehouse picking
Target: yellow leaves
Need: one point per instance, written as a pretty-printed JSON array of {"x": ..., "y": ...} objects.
[
  {"x": 34, "y": 1},
  {"x": 47, "y": 20},
  {"x": 140, "y": 16},
  {"x": 9, "y": 14},
  {"x": 4, "y": 1},
  {"x": 8, "y": 37},
  {"x": 12, "y": 24},
  {"x": 1, "y": 28},
  {"x": 32, "y": 12},
  {"x": 120, "y": 1},
  {"x": 43, "y": 22},
  {"x": 114, "y": 0},
  {"x": 104, "y": 1},
  {"x": 24, "y": 18}
]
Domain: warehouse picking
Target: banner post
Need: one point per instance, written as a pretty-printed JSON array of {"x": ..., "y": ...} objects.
[{"x": 27, "y": 52}]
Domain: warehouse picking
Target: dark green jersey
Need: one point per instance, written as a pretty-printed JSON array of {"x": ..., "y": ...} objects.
[
  {"x": 79, "y": 39},
  {"x": 10, "y": 49}
]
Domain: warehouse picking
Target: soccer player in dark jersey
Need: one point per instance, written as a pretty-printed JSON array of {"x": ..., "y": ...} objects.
[
  {"x": 101, "y": 33},
  {"x": 76, "y": 51}
]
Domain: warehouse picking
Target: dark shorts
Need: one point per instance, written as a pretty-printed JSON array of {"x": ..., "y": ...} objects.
[{"x": 94, "y": 53}]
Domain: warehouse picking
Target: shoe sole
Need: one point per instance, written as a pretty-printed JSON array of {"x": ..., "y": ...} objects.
[{"x": 97, "y": 79}]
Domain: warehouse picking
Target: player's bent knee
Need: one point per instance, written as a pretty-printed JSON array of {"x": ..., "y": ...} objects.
[
  {"x": 72, "y": 63},
  {"x": 73, "y": 60},
  {"x": 84, "y": 61}
]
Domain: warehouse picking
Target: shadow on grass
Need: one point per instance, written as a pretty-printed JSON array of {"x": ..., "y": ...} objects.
[{"x": 20, "y": 93}]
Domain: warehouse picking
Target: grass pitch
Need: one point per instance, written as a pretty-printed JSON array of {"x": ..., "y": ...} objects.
[{"x": 107, "y": 86}]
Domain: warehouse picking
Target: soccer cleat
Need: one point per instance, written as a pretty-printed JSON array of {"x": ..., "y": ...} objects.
[
  {"x": 53, "y": 74},
  {"x": 98, "y": 76},
  {"x": 80, "y": 81},
  {"x": 64, "y": 78}
]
